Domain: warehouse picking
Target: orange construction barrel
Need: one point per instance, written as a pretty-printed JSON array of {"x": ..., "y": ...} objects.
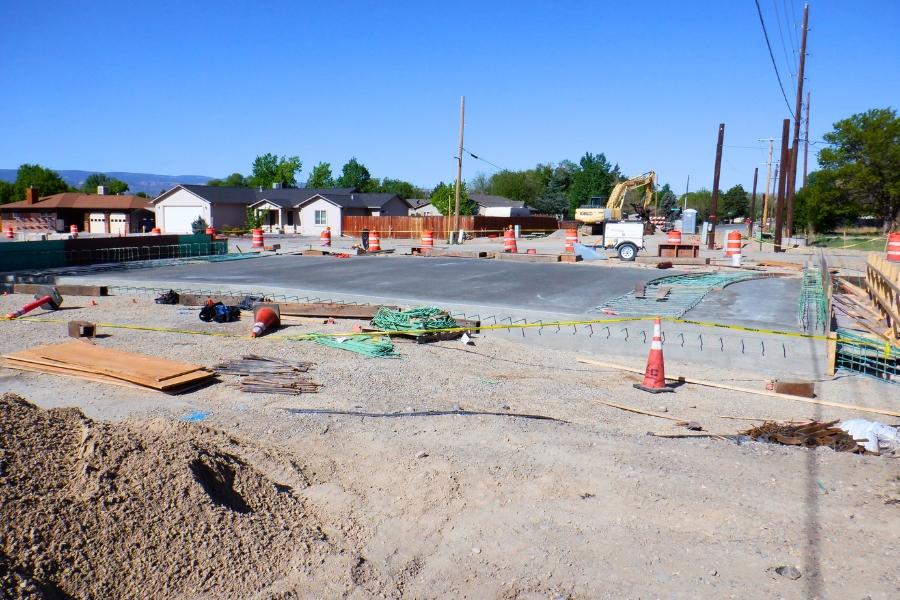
[
  {"x": 257, "y": 241},
  {"x": 733, "y": 247},
  {"x": 428, "y": 239},
  {"x": 571, "y": 240},
  {"x": 893, "y": 247},
  {"x": 374, "y": 241},
  {"x": 73, "y": 229},
  {"x": 325, "y": 237},
  {"x": 156, "y": 231},
  {"x": 674, "y": 237},
  {"x": 509, "y": 242}
]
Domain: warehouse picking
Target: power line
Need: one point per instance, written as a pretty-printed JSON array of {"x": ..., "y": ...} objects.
[
  {"x": 772, "y": 56},
  {"x": 792, "y": 24},
  {"x": 498, "y": 167},
  {"x": 787, "y": 56}
]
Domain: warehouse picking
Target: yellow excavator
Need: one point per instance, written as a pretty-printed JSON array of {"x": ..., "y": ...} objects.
[{"x": 595, "y": 216}]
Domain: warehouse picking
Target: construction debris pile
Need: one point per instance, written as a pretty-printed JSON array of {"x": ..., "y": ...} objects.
[
  {"x": 808, "y": 434},
  {"x": 143, "y": 510},
  {"x": 261, "y": 374},
  {"x": 373, "y": 346},
  {"x": 109, "y": 365},
  {"x": 422, "y": 318}
]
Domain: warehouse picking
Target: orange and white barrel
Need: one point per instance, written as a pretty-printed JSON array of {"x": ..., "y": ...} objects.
[
  {"x": 211, "y": 231},
  {"x": 509, "y": 242},
  {"x": 325, "y": 237},
  {"x": 428, "y": 239},
  {"x": 257, "y": 241},
  {"x": 893, "y": 247},
  {"x": 733, "y": 247},
  {"x": 73, "y": 230},
  {"x": 571, "y": 240},
  {"x": 374, "y": 242},
  {"x": 674, "y": 237},
  {"x": 10, "y": 233},
  {"x": 156, "y": 231}
]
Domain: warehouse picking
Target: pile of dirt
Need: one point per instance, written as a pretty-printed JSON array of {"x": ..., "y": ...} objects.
[{"x": 98, "y": 510}]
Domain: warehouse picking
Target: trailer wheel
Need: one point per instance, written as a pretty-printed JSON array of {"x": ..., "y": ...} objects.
[{"x": 627, "y": 252}]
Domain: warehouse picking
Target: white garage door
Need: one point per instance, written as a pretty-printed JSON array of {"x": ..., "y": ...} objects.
[
  {"x": 98, "y": 222},
  {"x": 178, "y": 219},
  {"x": 118, "y": 223}
]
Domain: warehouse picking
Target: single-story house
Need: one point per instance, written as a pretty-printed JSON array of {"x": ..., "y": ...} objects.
[
  {"x": 498, "y": 206},
  {"x": 92, "y": 213},
  {"x": 293, "y": 210},
  {"x": 420, "y": 207}
]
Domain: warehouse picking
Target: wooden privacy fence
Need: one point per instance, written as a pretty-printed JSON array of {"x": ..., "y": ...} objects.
[{"x": 412, "y": 227}]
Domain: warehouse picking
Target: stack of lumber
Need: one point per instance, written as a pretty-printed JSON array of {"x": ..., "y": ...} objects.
[
  {"x": 809, "y": 435},
  {"x": 262, "y": 374},
  {"x": 108, "y": 365}
]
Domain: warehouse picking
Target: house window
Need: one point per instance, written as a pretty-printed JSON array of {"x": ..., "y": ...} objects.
[{"x": 321, "y": 217}]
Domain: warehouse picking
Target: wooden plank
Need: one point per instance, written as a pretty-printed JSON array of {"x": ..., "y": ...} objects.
[
  {"x": 95, "y": 377},
  {"x": 640, "y": 290},
  {"x": 523, "y": 257},
  {"x": 642, "y": 412},
  {"x": 325, "y": 310},
  {"x": 64, "y": 290},
  {"x": 714, "y": 384},
  {"x": 662, "y": 293},
  {"x": 570, "y": 258}
]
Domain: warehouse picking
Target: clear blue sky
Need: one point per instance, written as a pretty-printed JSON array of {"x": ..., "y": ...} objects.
[{"x": 202, "y": 87}]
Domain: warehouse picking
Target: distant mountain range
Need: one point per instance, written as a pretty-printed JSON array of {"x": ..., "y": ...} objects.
[{"x": 137, "y": 182}]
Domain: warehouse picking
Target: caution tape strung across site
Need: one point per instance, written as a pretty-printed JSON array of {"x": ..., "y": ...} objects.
[{"x": 885, "y": 348}]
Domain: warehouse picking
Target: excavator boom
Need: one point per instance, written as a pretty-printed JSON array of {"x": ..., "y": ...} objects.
[{"x": 613, "y": 210}]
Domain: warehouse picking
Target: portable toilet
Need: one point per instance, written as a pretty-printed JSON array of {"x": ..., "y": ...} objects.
[{"x": 689, "y": 222}]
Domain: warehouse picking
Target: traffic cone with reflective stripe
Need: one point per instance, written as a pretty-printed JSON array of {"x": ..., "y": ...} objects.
[
  {"x": 265, "y": 319},
  {"x": 655, "y": 374}
]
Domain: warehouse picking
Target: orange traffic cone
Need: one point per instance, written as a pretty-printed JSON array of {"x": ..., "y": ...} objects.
[
  {"x": 655, "y": 374},
  {"x": 265, "y": 319}
]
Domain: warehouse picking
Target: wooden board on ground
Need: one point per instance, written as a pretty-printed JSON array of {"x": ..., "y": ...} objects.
[
  {"x": 326, "y": 309},
  {"x": 77, "y": 358},
  {"x": 781, "y": 264},
  {"x": 439, "y": 336},
  {"x": 524, "y": 257},
  {"x": 64, "y": 290},
  {"x": 200, "y": 300},
  {"x": 570, "y": 258}
]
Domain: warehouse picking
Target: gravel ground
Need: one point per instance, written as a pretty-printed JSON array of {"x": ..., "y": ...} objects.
[{"x": 490, "y": 506}]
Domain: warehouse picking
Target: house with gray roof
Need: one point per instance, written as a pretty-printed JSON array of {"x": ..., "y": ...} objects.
[
  {"x": 499, "y": 206},
  {"x": 291, "y": 210}
]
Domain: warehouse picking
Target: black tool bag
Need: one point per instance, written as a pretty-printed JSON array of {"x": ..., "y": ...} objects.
[
  {"x": 170, "y": 297},
  {"x": 220, "y": 313}
]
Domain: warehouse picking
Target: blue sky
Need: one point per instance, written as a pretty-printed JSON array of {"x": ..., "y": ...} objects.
[{"x": 203, "y": 87}]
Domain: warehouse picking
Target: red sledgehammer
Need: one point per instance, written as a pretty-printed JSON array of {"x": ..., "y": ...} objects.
[{"x": 48, "y": 299}]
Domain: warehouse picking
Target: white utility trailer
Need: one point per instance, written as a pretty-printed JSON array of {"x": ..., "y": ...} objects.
[{"x": 625, "y": 237}]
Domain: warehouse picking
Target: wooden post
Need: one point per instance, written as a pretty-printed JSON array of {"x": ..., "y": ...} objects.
[
  {"x": 714, "y": 203},
  {"x": 462, "y": 122},
  {"x": 753, "y": 203},
  {"x": 779, "y": 206}
]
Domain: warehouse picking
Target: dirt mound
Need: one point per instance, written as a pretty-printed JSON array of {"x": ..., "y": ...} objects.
[{"x": 141, "y": 510}]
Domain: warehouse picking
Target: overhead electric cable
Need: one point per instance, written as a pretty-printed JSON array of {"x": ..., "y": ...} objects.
[{"x": 772, "y": 56}]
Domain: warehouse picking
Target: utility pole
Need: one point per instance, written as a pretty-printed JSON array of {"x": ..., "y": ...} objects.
[
  {"x": 765, "y": 212},
  {"x": 806, "y": 142},
  {"x": 687, "y": 187},
  {"x": 753, "y": 203},
  {"x": 714, "y": 203},
  {"x": 795, "y": 149},
  {"x": 782, "y": 184},
  {"x": 462, "y": 123}
]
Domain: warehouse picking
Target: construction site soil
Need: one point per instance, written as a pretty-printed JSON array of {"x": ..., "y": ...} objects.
[{"x": 367, "y": 489}]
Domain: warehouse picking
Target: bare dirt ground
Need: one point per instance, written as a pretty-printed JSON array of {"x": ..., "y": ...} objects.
[{"x": 414, "y": 506}]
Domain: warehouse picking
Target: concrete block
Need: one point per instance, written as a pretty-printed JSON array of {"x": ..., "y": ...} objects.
[{"x": 570, "y": 258}]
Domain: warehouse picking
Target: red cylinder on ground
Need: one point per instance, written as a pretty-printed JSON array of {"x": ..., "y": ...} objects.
[
  {"x": 325, "y": 237},
  {"x": 374, "y": 242},
  {"x": 266, "y": 319},
  {"x": 674, "y": 237},
  {"x": 893, "y": 247},
  {"x": 733, "y": 247},
  {"x": 211, "y": 231},
  {"x": 571, "y": 240},
  {"x": 257, "y": 241},
  {"x": 10, "y": 234},
  {"x": 156, "y": 231},
  {"x": 509, "y": 241},
  {"x": 428, "y": 239}
]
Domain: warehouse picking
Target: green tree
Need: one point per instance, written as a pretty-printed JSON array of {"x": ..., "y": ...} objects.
[
  {"x": 554, "y": 200},
  {"x": 113, "y": 186},
  {"x": 45, "y": 181},
  {"x": 734, "y": 203},
  {"x": 269, "y": 168},
  {"x": 355, "y": 175},
  {"x": 525, "y": 186},
  {"x": 594, "y": 176},
  {"x": 480, "y": 184},
  {"x": 822, "y": 204},
  {"x": 233, "y": 180},
  {"x": 666, "y": 200},
  {"x": 404, "y": 189},
  {"x": 443, "y": 197},
  {"x": 864, "y": 159},
  {"x": 701, "y": 201},
  {"x": 7, "y": 192},
  {"x": 320, "y": 176},
  {"x": 142, "y": 195}
]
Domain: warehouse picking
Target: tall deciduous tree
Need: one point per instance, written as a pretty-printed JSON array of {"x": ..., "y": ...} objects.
[
  {"x": 45, "y": 181},
  {"x": 7, "y": 192},
  {"x": 480, "y": 184},
  {"x": 320, "y": 177},
  {"x": 822, "y": 204},
  {"x": 666, "y": 200},
  {"x": 735, "y": 202},
  {"x": 443, "y": 197},
  {"x": 594, "y": 176},
  {"x": 269, "y": 168},
  {"x": 525, "y": 186},
  {"x": 554, "y": 200},
  {"x": 404, "y": 189},
  {"x": 233, "y": 180},
  {"x": 354, "y": 174},
  {"x": 864, "y": 158},
  {"x": 112, "y": 185}
]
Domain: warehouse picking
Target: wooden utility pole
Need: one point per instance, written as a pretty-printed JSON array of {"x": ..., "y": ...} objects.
[
  {"x": 806, "y": 142},
  {"x": 687, "y": 186},
  {"x": 798, "y": 110},
  {"x": 753, "y": 203},
  {"x": 714, "y": 203},
  {"x": 782, "y": 184},
  {"x": 462, "y": 124},
  {"x": 765, "y": 212}
]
